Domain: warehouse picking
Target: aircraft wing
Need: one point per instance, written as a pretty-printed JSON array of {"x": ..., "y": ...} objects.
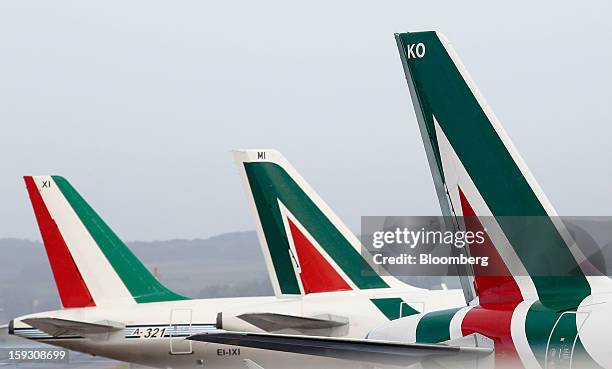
[
  {"x": 57, "y": 327},
  {"x": 274, "y": 322},
  {"x": 372, "y": 351}
]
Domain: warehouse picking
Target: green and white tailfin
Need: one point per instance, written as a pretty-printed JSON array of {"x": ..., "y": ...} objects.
[
  {"x": 306, "y": 246},
  {"x": 91, "y": 265},
  {"x": 478, "y": 171}
]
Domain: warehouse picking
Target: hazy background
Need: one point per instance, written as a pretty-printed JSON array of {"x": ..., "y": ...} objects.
[{"x": 139, "y": 103}]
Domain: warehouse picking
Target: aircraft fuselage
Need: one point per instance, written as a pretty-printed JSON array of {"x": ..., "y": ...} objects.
[{"x": 154, "y": 333}]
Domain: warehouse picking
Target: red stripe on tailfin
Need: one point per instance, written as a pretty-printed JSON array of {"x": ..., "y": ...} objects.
[
  {"x": 497, "y": 287},
  {"x": 70, "y": 284},
  {"x": 317, "y": 274}
]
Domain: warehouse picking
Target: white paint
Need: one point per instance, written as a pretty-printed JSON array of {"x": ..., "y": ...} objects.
[{"x": 101, "y": 279}]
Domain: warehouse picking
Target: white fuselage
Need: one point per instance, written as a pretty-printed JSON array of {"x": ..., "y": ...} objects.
[
  {"x": 526, "y": 334},
  {"x": 155, "y": 333}
]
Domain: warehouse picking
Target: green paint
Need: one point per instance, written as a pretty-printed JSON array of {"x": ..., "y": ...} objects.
[
  {"x": 143, "y": 286},
  {"x": 270, "y": 184},
  {"x": 393, "y": 306},
  {"x": 434, "y": 326},
  {"x": 443, "y": 93},
  {"x": 539, "y": 326}
]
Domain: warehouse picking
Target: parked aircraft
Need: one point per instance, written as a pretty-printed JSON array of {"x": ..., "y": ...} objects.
[
  {"x": 544, "y": 307},
  {"x": 114, "y": 307}
]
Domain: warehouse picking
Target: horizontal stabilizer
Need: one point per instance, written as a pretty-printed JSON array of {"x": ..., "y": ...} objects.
[
  {"x": 270, "y": 322},
  {"x": 381, "y": 352},
  {"x": 472, "y": 340},
  {"x": 57, "y": 327}
]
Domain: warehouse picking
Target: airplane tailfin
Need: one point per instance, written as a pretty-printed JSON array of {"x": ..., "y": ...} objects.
[
  {"x": 478, "y": 172},
  {"x": 91, "y": 265},
  {"x": 306, "y": 246}
]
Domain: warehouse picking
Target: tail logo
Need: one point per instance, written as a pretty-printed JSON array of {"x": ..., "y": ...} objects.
[
  {"x": 89, "y": 262},
  {"x": 306, "y": 247}
]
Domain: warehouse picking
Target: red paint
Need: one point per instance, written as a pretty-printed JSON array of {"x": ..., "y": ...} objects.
[
  {"x": 494, "y": 324},
  {"x": 498, "y": 294},
  {"x": 70, "y": 284},
  {"x": 494, "y": 283},
  {"x": 317, "y": 274}
]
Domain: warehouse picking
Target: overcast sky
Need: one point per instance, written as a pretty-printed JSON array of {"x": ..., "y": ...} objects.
[{"x": 139, "y": 103}]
